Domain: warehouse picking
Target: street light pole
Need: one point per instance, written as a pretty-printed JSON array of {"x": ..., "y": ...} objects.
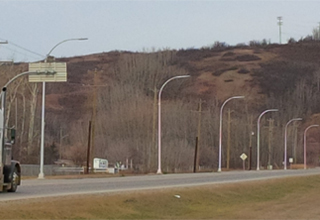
[
  {"x": 258, "y": 134},
  {"x": 159, "y": 119},
  {"x": 41, "y": 174},
  {"x": 3, "y": 105},
  {"x": 305, "y": 144},
  {"x": 285, "y": 140},
  {"x": 220, "y": 127}
]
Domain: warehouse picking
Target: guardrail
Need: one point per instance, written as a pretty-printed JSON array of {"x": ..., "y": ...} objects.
[{"x": 51, "y": 170}]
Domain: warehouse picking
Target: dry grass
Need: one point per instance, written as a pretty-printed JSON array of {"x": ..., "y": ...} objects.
[{"x": 289, "y": 198}]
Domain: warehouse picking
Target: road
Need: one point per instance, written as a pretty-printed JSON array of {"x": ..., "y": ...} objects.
[{"x": 37, "y": 188}]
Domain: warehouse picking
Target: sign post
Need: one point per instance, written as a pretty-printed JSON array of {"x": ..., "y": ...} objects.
[
  {"x": 290, "y": 161},
  {"x": 243, "y": 157},
  {"x": 60, "y": 75}
]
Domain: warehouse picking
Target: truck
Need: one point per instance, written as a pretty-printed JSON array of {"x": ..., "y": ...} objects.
[{"x": 9, "y": 168}]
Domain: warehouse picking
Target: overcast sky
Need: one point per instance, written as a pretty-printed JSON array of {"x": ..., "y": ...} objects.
[{"x": 33, "y": 28}]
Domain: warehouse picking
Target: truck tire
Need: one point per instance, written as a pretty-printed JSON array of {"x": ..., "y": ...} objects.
[{"x": 14, "y": 181}]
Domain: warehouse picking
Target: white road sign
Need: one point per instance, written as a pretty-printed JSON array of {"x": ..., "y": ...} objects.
[
  {"x": 243, "y": 156},
  {"x": 59, "y": 68},
  {"x": 99, "y": 163}
]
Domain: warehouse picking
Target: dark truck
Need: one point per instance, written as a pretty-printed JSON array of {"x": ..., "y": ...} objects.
[{"x": 10, "y": 169}]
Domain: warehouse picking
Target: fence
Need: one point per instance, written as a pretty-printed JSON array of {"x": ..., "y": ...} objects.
[{"x": 49, "y": 170}]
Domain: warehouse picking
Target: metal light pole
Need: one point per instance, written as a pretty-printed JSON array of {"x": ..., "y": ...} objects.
[
  {"x": 285, "y": 140},
  {"x": 41, "y": 174},
  {"x": 305, "y": 144},
  {"x": 3, "y": 105},
  {"x": 220, "y": 127},
  {"x": 159, "y": 119},
  {"x": 258, "y": 134}
]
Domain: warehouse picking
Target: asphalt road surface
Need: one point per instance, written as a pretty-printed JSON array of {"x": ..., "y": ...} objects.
[{"x": 37, "y": 188}]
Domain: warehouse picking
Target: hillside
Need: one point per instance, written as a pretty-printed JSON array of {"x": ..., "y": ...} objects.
[{"x": 120, "y": 87}]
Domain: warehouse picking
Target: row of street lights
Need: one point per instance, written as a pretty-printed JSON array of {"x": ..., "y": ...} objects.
[{"x": 159, "y": 171}]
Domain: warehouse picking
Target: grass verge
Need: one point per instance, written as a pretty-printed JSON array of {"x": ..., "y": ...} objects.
[{"x": 288, "y": 198}]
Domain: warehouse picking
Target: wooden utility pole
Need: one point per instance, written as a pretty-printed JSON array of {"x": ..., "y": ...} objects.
[
  {"x": 60, "y": 144},
  {"x": 88, "y": 149},
  {"x": 94, "y": 112},
  {"x": 250, "y": 143},
  {"x": 294, "y": 153},
  {"x": 196, "y": 155},
  {"x": 270, "y": 147}
]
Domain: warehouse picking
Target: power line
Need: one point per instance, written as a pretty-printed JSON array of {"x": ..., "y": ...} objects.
[
  {"x": 30, "y": 51},
  {"x": 18, "y": 52},
  {"x": 25, "y": 49}
]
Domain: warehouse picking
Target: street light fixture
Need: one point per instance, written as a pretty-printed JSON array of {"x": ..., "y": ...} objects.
[
  {"x": 285, "y": 140},
  {"x": 159, "y": 119},
  {"x": 258, "y": 134},
  {"x": 41, "y": 174},
  {"x": 220, "y": 127},
  {"x": 305, "y": 144}
]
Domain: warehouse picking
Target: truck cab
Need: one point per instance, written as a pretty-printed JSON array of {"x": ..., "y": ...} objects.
[{"x": 9, "y": 168}]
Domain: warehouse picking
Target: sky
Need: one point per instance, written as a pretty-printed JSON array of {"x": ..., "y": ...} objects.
[{"x": 33, "y": 28}]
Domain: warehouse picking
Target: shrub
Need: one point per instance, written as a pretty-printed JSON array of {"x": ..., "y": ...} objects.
[
  {"x": 247, "y": 57},
  {"x": 243, "y": 71},
  {"x": 220, "y": 71}
]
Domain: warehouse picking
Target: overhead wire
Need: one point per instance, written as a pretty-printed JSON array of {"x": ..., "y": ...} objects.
[
  {"x": 14, "y": 51},
  {"x": 21, "y": 48}
]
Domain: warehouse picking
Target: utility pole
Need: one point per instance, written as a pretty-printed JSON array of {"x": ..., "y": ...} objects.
[
  {"x": 250, "y": 143},
  {"x": 295, "y": 144},
  {"x": 279, "y": 23},
  {"x": 88, "y": 149},
  {"x": 196, "y": 155},
  {"x": 93, "y": 120}
]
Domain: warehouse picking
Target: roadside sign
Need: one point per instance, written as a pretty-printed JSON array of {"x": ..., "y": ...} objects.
[
  {"x": 243, "y": 156},
  {"x": 99, "y": 163},
  {"x": 59, "y": 68}
]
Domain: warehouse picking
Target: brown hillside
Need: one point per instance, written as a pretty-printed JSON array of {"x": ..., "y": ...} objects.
[
  {"x": 120, "y": 87},
  {"x": 220, "y": 74}
]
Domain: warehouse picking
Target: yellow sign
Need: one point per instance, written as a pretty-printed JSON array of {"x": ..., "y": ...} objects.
[{"x": 243, "y": 156}]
